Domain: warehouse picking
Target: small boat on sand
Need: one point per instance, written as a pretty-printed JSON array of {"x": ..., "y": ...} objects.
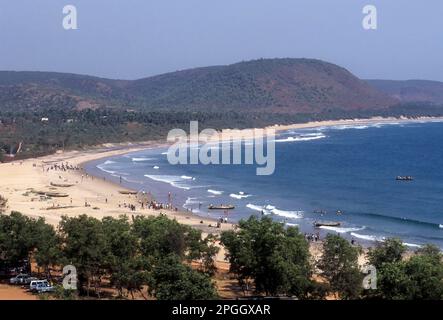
[
  {"x": 319, "y": 224},
  {"x": 61, "y": 185},
  {"x": 126, "y": 192},
  {"x": 221, "y": 207},
  {"x": 51, "y": 194},
  {"x": 56, "y": 195}
]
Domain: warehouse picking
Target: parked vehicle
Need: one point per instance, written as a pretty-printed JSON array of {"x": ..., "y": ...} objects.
[
  {"x": 35, "y": 283},
  {"x": 22, "y": 278},
  {"x": 44, "y": 287}
]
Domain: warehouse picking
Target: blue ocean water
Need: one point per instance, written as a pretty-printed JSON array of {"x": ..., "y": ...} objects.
[{"x": 346, "y": 168}]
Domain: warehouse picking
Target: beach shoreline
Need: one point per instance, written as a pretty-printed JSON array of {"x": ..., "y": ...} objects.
[
  {"x": 81, "y": 158},
  {"x": 251, "y": 133},
  {"x": 17, "y": 178}
]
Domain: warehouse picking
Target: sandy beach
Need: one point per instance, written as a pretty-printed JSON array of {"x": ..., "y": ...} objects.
[
  {"x": 253, "y": 133},
  {"x": 19, "y": 178}
]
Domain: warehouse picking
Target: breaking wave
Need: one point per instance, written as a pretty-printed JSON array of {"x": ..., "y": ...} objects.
[
  {"x": 142, "y": 159},
  {"x": 341, "y": 229},
  {"x": 239, "y": 196},
  {"x": 175, "y": 181},
  {"x": 306, "y": 137},
  {"x": 269, "y": 209},
  {"x": 368, "y": 237},
  {"x": 216, "y": 192}
]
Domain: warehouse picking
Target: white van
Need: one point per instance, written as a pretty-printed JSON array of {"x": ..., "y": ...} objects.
[{"x": 37, "y": 283}]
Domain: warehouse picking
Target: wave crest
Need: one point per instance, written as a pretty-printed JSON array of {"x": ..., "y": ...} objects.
[{"x": 270, "y": 209}]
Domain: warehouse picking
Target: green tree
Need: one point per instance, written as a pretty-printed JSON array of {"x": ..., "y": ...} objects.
[
  {"x": 418, "y": 278},
  {"x": 431, "y": 251},
  {"x": 16, "y": 239},
  {"x": 172, "y": 280},
  {"x": 426, "y": 277},
  {"x": 201, "y": 249},
  {"x": 339, "y": 265},
  {"x": 47, "y": 251},
  {"x": 274, "y": 258},
  {"x": 389, "y": 251},
  {"x": 84, "y": 246},
  {"x": 161, "y": 236},
  {"x": 125, "y": 265}
]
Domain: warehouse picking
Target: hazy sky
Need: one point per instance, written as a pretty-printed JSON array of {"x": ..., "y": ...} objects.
[{"x": 130, "y": 39}]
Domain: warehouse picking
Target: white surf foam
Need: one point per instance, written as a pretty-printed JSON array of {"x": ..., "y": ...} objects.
[
  {"x": 156, "y": 167},
  {"x": 174, "y": 181},
  {"x": 341, "y": 229},
  {"x": 412, "y": 245},
  {"x": 216, "y": 192},
  {"x": 102, "y": 168},
  {"x": 291, "y": 224},
  {"x": 142, "y": 159},
  {"x": 270, "y": 209},
  {"x": 255, "y": 207},
  {"x": 360, "y": 126},
  {"x": 187, "y": 178},
  {"x": 307, "y": 137},
  {"x": 288, "y": 214},
  {"x": 367, "y": 237},
  {"x": 239, "y": 196},
  {"x": 440, "y": 226}
]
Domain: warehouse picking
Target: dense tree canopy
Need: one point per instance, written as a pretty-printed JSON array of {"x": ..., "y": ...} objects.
[
  {"x": 339, "y": 265},
  {"x": 153, "y": 256},
  {"x": 172, "y": 280},
  {"x": 419, "y": 277},
  {"x": 132, "y": 256},
  {"x": 389, "y": 251},
  {"x": 275, "y": 258}
]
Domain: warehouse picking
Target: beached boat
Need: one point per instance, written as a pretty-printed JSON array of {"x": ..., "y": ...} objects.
[
  {"x": 128, "y": 192},
  {"x": 61, "y": 185},
  {"x": 221, "y": 207},
  {"x": 51, "y": 194},
  {"x": 56, "y": 194},
  {"x": 319, "y": 224},
  {"x": 60, "y": 207}
]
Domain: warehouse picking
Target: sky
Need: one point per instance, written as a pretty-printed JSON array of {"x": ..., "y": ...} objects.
[{"x": 131, "y": 39}]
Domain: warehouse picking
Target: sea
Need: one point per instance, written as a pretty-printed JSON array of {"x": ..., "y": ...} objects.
[{"x": 343, "y": 173}]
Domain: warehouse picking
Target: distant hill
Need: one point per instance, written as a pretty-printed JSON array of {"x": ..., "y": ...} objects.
[
  {"x": 83, "y": 110},
  {"x": 275, "y": 85},
  {"x": 411, "y": 90}
]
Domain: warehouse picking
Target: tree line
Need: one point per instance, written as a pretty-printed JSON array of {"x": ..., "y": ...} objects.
[
  {"x": 73, "y": 129},
  {"x": 268, "y": 258},
  {"x": 152, "y": 257}
]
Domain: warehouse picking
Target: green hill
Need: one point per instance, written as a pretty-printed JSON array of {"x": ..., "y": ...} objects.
[{"x": 274, "y": 85}]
